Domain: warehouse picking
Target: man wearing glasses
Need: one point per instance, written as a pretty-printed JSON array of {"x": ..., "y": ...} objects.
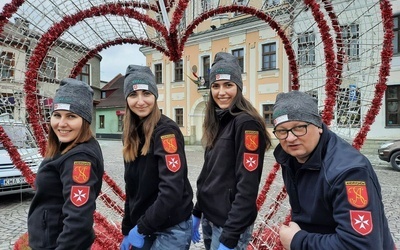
[{"x": 334, "y": 193}]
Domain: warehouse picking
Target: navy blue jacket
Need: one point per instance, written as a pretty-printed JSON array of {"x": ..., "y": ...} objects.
[
  {"x": 61, "y": 212},
  {"x": 335, "y": 198},
  {"x": 158, "y": 191},
  {"x": 227, "y": 186}
]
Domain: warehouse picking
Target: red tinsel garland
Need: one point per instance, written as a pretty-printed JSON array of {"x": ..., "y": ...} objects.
[
  {"x": 46, "y": 42},
  {"x": 339, "y": 41},
  {"x": 8, "y": 10},
  {"x": 107, "y": 235},
  {"x": 380, "y": 88},
  {"x": 267, "y": 185},
  {"x": 145, "y": 42},
  {"x": 114, "y": 186},
  {"x": 330, "y": 85},
  {"x": 110, "y": 203}
]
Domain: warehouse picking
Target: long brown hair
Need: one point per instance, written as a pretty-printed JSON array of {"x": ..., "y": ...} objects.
[
  {"x": 131, "y": 138},
  {"x": 238, "y": 106},
  {"x": 53, "y": 144}
]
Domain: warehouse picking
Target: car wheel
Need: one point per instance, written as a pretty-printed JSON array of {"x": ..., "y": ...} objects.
[{"x": 395, "y": 160}]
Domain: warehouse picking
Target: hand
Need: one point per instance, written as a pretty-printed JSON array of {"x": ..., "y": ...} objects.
[
  {"x": 135, "y": 238},
  {"x": 286, "y": 233},
  {"x": 125, "y": 244},
  {"x": 223, "y": 247},
  {"x": 195, "y": 229}
]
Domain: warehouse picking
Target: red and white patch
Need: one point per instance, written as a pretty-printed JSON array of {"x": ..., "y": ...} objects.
[
  {"x": 79, "y": 195},
  {"x": 250, "y": 161},
  {"x": 361, "y": 221},
  {"x": 81, "y": 171},
  {"x": 251, "y": 140},
  {"x": 173, "y": 162},
  {"x": 357, "y": 194},
  {"x": 169, "y": 143}
]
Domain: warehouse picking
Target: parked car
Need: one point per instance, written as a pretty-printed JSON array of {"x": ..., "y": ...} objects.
[
  {"x": 11, "y": 179},
  {"x": 390, "y": 152}
]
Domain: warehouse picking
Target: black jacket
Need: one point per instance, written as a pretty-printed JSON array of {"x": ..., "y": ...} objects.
[
  {"x": 335, "y": 198},
  {"x": 61, "y": 212},
  {"x": 158, "y": 192},
  {"x": 227, "y": 186}
]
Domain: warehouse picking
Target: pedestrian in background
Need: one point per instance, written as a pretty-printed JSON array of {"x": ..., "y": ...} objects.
[
  {"x": 70, "y": 177},
  {"x": 159, "y": 196},
  {"x": 334, "y": 193},
  {"x": 235, "y": 140}
]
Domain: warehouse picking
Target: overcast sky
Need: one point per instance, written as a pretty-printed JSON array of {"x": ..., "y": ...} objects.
[{"x": 115, "y": 59}]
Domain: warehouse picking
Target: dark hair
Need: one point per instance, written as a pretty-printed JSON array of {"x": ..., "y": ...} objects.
[
  {"x": 53, "y": 144},
  {"x": 238, "y": 106},
  {"x": 131, "y": 138}
]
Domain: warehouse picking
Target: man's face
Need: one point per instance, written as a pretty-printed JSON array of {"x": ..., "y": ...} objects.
[{"x": 300, "y": 146}]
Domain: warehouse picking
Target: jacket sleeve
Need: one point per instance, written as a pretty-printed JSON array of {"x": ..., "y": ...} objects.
[
  {"x": 80, "y": 189},
  {"x": 126, "y": 220},
  {"x": 172, "y": 168},
  {"x": 357, "y": 206},
  {"x": 250, "y": 149}
]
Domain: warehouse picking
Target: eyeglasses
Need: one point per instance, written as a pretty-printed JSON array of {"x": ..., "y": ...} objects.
[{"x": 297, "y": 131}]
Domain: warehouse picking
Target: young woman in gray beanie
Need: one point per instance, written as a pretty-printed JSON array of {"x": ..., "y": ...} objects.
[
  {"x": 70, "y": 177},
  {"x": 235, "y": 139},
  {"x": 159, "y": 196}
]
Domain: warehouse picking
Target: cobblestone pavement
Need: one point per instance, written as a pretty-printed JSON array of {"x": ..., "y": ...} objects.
[{"x": 14, "y": 208}]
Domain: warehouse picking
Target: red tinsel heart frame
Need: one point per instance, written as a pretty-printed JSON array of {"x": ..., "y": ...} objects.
[{"x": 173, "y": 50}]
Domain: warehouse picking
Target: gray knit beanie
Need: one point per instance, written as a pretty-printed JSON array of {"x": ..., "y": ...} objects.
[
  {"x": 296, "y": 106},
  {"x": 226, "y": 67},
  {"x": 75, "y": 96},
  {"x": 139, "y": 78}
]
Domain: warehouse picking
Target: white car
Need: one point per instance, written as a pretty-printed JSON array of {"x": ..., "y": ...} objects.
[{"x": 11, "y": 179}]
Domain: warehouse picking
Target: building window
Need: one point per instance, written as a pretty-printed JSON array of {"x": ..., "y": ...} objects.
[
  {"x": 205, "y": 5},
  {"x": 84, "y": 76},
  {"x": 179, "y": 71},
  {"x": 267, "y": 114},
  {"x": 239, "y": 53},
  {"x": 182, "y": 23},
  {"x": 101, "y": 121},
  {"x": 158, "y": 73},
  {"x": 103, "y": 94},
  {"x": 348, "y": 107},
  {"x": 120, "y": 122},
  {"x": 7, "y": 64},
  {"x": 48, "y": 69},
  {"x": 206, "y": 70},
  {"x": 240, "y": 2},
  {"x": 306, "y": 49},
  {"x": 392, "y": 104},
  {"x": 350, "y": 36},
  {"x": 269, "y": 56},
  {"x": 179, "y": 117},
  {"x": 396, "y": 39}
]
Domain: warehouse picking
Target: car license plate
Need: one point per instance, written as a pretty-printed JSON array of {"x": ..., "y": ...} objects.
[{"x": 12, "y": 181}]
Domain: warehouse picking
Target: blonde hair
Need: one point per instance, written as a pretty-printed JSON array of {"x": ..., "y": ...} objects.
[{"x": 131, "y": 140}]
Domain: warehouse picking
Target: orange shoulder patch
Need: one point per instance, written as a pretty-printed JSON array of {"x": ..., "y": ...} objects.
[
  {"x": 251, "y": 140},
  {"x": 169, "y": 143},
  {"x": 357, "y": 194},
  {"x": 81, "y": 171}
]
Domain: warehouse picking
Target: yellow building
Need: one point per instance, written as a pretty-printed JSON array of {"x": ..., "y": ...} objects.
[{"x": 183, "y": 85}]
